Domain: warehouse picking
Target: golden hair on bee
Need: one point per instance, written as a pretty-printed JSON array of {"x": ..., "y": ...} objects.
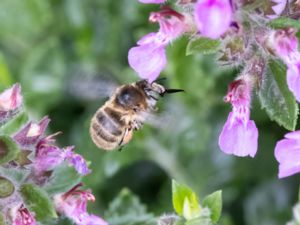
[{"x": 113, "y": 124}]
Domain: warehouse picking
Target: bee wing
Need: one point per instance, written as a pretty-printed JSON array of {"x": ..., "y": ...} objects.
[
  {"x": 171, "y": 118},
  {"x": 91, "y": 86}
]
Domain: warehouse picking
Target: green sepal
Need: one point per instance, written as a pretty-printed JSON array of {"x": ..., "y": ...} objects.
[
  {"x": 9, "y": 149},
  {"x": 37, "y": 200},
  {"x": 14, "y": 124},
  {"x": 7, "y": 188},
  {"x": 202, "y": 45}
]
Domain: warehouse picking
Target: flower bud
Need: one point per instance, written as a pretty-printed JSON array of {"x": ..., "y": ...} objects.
[{"x": 7, "y": 188}]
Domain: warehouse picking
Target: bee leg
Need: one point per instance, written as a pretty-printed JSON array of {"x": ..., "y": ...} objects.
[
  {"x": 136, "y": 125},
  {"x": 126, "y": 137}
]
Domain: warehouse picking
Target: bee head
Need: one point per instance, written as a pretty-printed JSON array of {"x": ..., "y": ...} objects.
[{"x": 130, "y": 97}]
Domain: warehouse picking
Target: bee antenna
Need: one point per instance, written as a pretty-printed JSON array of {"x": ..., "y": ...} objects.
[{"x": 170, "y": 91}]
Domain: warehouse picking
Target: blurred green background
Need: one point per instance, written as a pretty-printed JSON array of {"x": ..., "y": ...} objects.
[{"x": 46, "y": 45}]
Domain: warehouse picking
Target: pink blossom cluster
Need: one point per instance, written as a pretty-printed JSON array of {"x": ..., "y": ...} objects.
[
  {"x": 223, "y": 20},
  {"x": 40, "y": 157}
]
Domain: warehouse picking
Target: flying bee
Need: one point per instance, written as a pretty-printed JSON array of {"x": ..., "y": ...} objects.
[{"x": 127, "y": 109}]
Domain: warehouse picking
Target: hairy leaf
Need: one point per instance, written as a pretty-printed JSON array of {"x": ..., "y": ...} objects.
[
  {"x": 202, "y": 45},
  {"x": 126, "y": 209},
  {"x": 63, "y": 178},
  {"x": 276, "y": 98},
  {"x": 38, "y": 201},
  {"x": 284, "y": 22}
]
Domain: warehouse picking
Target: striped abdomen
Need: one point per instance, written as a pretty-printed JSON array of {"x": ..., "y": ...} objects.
[{"x": 107, "y": 129}]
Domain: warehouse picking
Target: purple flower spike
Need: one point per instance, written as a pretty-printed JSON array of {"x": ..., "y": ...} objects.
[
  {"x": 239, "y": 135},
  {"x": 76, "y": 160},
  {"x": 287, "y": 153},
  {"x": 213, "y": 17},
  {"x": 32, "y": 132},
  {"x": 73, "y": 204},
  {"x": 152, "y": 1}
]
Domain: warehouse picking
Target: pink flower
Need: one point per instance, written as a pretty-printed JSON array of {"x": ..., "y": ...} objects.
[
  {"x": 22, "y": 216},
  {"x": 287, "y": 153},
  {"x": 10, "y": 102},
  {"x": 48, "y": 156},
  {"x": 32, "y": 132},
  {"x": 152, "y": 1},
  {"x": 213, "y": 17},
  {"x": 148, "y": 59},
  {"x": 239, "y": 135},
  {"x": 73, "y": 204}
]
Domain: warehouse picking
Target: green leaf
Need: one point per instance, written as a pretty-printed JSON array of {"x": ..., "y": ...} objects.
[
  {"x": 202, "y": 45},
  {"x": 13, "y": 125},
  {"x": 38, "y": 201},
  {"x": 8, "y": 149},
  {"x": 63, "y": 178},
  {"x": 214, "y": 203},
  {"x": 276, "y": 98},
  {"x": 284, "y": 22},
  {"x": 126, "y": 209},
  {"x": 185, "y": 201}
]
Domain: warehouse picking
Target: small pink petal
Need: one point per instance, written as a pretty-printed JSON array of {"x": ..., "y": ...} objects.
[
  {"x": 147, "y": 60},
  {"x": 287, "y": 153},
  {"x": 213, "y": 17},
  {"x": 239, "y": 138}
]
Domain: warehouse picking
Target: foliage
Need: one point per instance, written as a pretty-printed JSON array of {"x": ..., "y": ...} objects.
[{"x": 44, "y": 44}]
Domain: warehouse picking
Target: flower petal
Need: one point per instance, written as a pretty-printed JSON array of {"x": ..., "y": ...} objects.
[
  {"x": 287, "y": 153},
  {"x": 147, "y": 60},
  {"x": 238, "y": 138},
  {"x": 213, "y": 17}
]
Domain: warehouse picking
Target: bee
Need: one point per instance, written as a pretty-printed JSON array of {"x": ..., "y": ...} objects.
[{"x": 113, "y": 124}]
